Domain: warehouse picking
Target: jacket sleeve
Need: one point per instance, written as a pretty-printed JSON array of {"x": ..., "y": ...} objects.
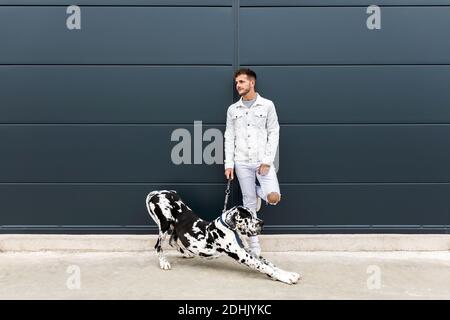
[
  {"x": 229, "y": 141},
  {"x": 273, "y": 135}
]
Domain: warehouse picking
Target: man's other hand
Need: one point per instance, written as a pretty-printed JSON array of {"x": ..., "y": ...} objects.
[{"x": 263, "y": 169}]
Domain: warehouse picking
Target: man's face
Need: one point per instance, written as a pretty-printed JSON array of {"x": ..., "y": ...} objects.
[{"x": 244, "y": 84}]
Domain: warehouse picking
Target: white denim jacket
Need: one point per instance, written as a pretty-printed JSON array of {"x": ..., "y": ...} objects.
[{"x": 252, "y": 133}]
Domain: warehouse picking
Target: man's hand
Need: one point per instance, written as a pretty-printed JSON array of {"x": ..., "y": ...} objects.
[
  {"x": 229, "y": 174},
  {"x": 263, "y": 169}
]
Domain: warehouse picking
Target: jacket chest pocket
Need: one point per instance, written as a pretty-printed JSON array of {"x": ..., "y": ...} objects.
[
  {"x": 238, "y": 118},
  {"x": 260, "y": 118}
]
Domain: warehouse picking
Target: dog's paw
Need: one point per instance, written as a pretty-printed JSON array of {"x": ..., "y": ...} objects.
[
  {"x": 295, "y": 277},
  {"x": 287, "y": 277},
  {"x": 164, "y": 264}
]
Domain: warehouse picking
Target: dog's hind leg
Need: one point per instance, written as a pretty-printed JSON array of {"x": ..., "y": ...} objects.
[
  {"x": 184, "y": 252},
  {"x": 163, "y": 263}
]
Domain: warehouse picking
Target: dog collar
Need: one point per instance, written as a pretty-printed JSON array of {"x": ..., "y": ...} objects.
[
  {"x": 238, "y": 239},
  {"x": 224, "y": 223}
]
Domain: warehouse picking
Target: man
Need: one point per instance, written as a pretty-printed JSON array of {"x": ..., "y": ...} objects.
[{"x": 251, "y": 142}]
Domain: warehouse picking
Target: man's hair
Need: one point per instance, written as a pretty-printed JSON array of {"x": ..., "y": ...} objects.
[{"x": 246, "y": 71}]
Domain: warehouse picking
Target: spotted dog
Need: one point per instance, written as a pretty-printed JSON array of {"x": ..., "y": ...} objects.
[{"x": 193, "y": 236}]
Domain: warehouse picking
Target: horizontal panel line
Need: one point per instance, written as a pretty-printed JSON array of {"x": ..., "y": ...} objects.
[
  {"x": 116, "y": 65},
  {"x": 168, "y": 5},
  {"x": 265, "y": 226},
  {"x": 110, "y": 124},
  {"x": 226, "y": 64},
  {"x": 286, "y": 227},
  {"x": 363, "y": 183},
  {"x": 224, "y": 183},
  {"x": 114, "y": 183},
  {"x": 365, "y": 124},
  {"x": 226, "y": 6},
  {"x": 220, "y": 124},
  {"x": 345, "y": 64},
  {"x": 413, "y": 226},
  {"x": 344, "y": 6},
  {"x": 120, "y": 6}
]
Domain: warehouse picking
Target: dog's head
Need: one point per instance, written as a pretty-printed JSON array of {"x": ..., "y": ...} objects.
[{"x": 243, "y": 220}]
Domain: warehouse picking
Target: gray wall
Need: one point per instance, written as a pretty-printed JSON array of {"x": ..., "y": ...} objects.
[{"x": 86, "y": 115}]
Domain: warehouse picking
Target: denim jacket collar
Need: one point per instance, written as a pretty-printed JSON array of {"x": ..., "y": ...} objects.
[{"x": 257, "y": 102}]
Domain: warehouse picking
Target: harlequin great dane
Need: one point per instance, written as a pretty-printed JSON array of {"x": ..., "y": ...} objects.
[{"x": 193, "y": 236}]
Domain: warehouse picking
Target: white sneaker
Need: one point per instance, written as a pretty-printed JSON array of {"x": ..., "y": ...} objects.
[{"x": 258, "y": 203}]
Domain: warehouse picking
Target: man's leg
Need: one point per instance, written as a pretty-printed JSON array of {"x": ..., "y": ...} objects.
[
  {"x": 261, "y": 194},
  {"x": 246, "y": 174},
  {"x": 269, "y": 189}
]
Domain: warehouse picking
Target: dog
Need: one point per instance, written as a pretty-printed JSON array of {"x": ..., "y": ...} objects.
[{"x": 192, "y": 236}]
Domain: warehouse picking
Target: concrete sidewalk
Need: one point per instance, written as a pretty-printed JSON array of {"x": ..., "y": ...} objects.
[
  {"x": 136, "y": 275},
  {"x": 271, "y": 243}
]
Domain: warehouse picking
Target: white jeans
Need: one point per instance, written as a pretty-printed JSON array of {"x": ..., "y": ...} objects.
[{"x": 246, "y": 173}]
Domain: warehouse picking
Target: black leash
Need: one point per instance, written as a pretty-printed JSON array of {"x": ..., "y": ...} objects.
[{"x": 227, "y": 194}]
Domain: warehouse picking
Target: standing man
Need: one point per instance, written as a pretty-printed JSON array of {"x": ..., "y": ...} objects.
[{"x": 251, "y": 142}]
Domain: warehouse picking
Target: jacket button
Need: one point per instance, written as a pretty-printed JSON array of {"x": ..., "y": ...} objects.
[
  {"x": 248, "y": 125},
  {"x": 249, "y": 136}
]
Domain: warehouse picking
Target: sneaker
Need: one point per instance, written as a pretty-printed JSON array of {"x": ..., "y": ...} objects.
[{"x": 258, "y": 204}]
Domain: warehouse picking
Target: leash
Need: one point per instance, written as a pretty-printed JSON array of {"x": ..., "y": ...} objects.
[{"x": 227, "y": 194}]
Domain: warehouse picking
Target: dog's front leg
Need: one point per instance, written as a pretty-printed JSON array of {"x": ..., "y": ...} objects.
[
  {"x": 268, "y": 268},
  {"x": 262, "y": 259}
]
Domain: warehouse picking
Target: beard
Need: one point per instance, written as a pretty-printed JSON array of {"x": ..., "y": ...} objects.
[{"x": 244, "y": 92}]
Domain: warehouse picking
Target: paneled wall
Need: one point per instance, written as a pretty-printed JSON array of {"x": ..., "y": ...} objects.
[{"x": 87, "y": 115}]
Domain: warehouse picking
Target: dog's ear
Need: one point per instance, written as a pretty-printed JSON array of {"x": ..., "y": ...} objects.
[
  {"x": 230, "y": 218},
  {"x": 246, "y": 212}
]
